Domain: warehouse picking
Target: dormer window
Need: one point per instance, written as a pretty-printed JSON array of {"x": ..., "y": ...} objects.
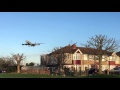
[{"x": 77, "y": 56}]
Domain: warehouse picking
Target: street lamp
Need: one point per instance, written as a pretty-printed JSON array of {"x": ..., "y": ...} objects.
[{"x": 108, "y": 65}]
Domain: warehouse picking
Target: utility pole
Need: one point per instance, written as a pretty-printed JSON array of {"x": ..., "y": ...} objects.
[{"x": 108, "y": 63}]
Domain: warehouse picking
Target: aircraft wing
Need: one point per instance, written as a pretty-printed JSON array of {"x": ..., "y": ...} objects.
[{"x": 39, "y": 43}]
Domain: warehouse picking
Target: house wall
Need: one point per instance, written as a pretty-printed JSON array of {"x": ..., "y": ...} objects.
[
  {"x": 86, "y": 60},
  {"x": 117, "y": 61},
  {"x": 76, "y": 67},
  {"x": 112, "y": 66},
  {"x": 68, "y": 59},
  {"x": 85, "y": 56}
]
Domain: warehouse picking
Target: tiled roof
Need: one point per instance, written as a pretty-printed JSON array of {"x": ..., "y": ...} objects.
[
  {"x": 118, "y": 53},
  {"x": 93, "y": 51},
  {"x": 70, "y": 49}
]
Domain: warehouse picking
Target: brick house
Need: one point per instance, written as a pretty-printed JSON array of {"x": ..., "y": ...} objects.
[{"x": 81, "y": 57}]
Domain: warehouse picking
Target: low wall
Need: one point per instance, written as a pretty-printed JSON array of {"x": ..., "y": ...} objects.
[{"x": 35, "y": 70}]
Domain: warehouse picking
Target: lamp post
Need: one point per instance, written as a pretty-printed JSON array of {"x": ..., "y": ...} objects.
[{"x": 108, "y": 64}]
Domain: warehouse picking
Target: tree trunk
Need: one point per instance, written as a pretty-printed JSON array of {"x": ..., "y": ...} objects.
[
  {"x": 100, "y": 64},
  {"x": 60, "y": 68},
  {"x": 18, "y": 68}
]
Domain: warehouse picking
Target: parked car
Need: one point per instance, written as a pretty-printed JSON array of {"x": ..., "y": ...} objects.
[
  {"x": 2, "y": 71},
  {"x": 115, "y": 70},
  {"x": 93, "y": 71}
]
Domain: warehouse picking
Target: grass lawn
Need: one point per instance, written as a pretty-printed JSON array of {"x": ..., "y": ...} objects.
[
  {"x": 103, "y": 76},
  {"x": 10, "y": 75}
]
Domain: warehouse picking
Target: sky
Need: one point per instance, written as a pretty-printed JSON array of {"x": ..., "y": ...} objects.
[{"x": 54, "y": 29}]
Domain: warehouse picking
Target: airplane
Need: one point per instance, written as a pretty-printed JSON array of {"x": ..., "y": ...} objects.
[{"x": 31, "y": 44}]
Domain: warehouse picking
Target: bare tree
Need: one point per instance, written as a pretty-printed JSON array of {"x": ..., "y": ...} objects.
[
  {"x": 102, "y": 45},
  {"x": 2, "y": 61},
  {"x": 18, "y": 59},
  {"x": 59, "y": 56},
  {"x": 7, "y": 61}
]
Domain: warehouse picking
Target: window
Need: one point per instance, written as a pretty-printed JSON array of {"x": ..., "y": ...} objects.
[
  {"x": 78, "y": 56},
  {"x": 110, "y": 58},
  {"x": 74, "y": 57},
  {"x": 85, "y": 57},
  {"x": 68, "y": 56},
  {"x": 91, "y": 57},
  {"x": 113, "y": 58}
]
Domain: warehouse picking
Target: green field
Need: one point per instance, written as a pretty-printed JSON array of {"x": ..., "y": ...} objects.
[{"x": 9, "y": 75}]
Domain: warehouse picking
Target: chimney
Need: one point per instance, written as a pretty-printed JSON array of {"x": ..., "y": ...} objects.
[
  {"x": 68, "y": 45},
  {"x": 74, "y": 46}
]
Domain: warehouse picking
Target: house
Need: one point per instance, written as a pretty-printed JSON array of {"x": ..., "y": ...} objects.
[{"x": 82, "y": 58}]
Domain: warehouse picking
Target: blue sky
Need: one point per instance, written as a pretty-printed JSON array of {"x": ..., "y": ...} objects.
[{"x": 53, "y": 29}]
